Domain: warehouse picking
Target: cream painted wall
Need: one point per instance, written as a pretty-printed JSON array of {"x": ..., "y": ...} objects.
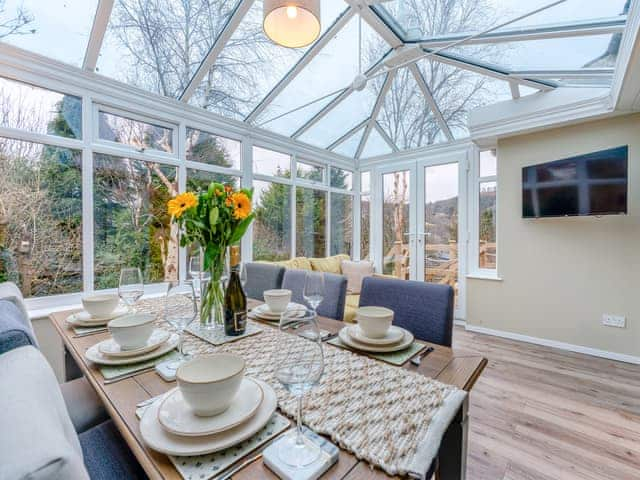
[{"x": 560, "y": 275}]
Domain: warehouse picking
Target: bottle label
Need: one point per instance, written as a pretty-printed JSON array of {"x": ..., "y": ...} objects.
[{"x": 235, "y": 323}]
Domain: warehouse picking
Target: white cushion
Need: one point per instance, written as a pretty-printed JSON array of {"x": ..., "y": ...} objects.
[
  {"x": 355, "y": 273},
  {"x": 38, "y": 439}
]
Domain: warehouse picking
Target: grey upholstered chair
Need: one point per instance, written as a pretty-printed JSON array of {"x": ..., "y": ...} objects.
[
  {"x": 261, "y": 277},
  {"x": 335, "y": 292},
  {"x": 425, "y": 309}
]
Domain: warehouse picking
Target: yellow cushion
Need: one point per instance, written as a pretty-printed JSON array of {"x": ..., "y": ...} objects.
[
  {"x": 329, "y": 264},
  {"x": 350, "y": 307},
  {"x": 297, "y": 263}
]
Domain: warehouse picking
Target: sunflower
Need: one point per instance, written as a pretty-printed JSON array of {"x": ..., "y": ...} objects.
[
  {"x": 241, "y": 205},
  {"x": 181, "y": 203}
]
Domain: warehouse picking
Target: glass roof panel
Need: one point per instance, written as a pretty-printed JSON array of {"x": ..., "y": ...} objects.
[
  {"x": 420, "y": 19},
  {"x": 339, "y": 58},
  {"x": 405, "y": 115},
  {"x": 159, "y": 44},
  {"x": 349, "y": 147},
  {"x": 57, "y": 29},
  {"x": 375, "y": 145},
  {"x": 346, "y": 115},
  {"x": 250, "y": 65},
  {"x": 458, "y": 91}
]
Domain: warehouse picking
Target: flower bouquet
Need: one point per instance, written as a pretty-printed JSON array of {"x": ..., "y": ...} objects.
[{"x": 214, "y": 219}]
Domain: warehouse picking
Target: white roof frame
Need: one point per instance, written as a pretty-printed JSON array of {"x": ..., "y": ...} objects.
[
  {"x": 426, "y": 92},
  {"x": 98, "y": 29},
  {"x": 388, "y": 81}
]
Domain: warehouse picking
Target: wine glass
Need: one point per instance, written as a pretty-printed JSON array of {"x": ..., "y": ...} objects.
[
  {"x": 313, "y": 291},
  {"x": 299, "y": 365},
  {"x": 180, "y": 309},
  {"x": 131, "y": 286},
  {"x": 243, "y": 275}
]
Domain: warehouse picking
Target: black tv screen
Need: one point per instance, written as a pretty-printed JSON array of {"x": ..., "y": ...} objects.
[{"x": 593, "y": 184}]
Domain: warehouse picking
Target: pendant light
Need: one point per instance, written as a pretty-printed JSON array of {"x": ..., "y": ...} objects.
[{"x": 292, "y": 23}]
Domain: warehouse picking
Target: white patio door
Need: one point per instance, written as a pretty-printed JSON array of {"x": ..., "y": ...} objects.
[{"x": 420, "y": 223}]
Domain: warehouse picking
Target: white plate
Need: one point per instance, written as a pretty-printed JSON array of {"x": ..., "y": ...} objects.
[
  {"x": 84, "y": 319},
  {"x": 94, "y": 354},
  {"x": 346, "y": 339},
  {"x": 176, "y": 416},
  {"x": 112, "y": 349},
  {"x": 162, "y": 441},
  {"x": 262, "y": 311},
  {"x": 394, "y": 335}
]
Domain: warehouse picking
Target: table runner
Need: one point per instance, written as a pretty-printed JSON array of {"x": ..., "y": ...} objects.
[{"x": 391, "y": 417}]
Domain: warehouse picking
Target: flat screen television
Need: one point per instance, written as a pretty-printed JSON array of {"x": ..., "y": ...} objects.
[{"x": 593, "y": 184}]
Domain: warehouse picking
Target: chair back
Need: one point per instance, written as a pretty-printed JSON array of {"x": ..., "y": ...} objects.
[
  {"x": 261, "y": 277},
  {"x": 425, "y": 309},
  {"x": 15, "y": 331},
  {"x": 335, "y": 292}
]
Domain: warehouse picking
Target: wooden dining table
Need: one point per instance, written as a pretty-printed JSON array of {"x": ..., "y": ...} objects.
[{"x": 451, "y": 366}]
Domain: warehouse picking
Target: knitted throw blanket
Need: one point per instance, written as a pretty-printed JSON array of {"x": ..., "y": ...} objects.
[{"x": 391, "y": 417}]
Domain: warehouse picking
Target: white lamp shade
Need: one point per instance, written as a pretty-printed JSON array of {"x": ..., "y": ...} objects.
[{"x": 294, "y": 23}]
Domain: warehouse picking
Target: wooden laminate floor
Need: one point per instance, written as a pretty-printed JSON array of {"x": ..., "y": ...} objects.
[{"x": 539, "y": 413}]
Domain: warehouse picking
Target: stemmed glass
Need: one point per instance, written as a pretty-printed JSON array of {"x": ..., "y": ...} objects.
[
  {"x": 299, "y": 365},
  {"x": 313, "y": 291},
  {"x": 180, "y": 309},
  {"x": 131, "y": 286}
]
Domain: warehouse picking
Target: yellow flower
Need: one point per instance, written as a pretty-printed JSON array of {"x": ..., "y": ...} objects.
[
  {"x": 241, "y": 205},
  {"x": 181, "y": 203},
  {"x": 219, "y": 192}
]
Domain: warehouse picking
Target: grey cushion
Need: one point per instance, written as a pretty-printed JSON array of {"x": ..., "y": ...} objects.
[
  {"x": 14, "y": 332},
  {"x": 335, "y": 292},
  {"x": 38, "y": 440},
  {"x": 106, "y": 455},
  {"x": 83, "y": 404},
  {"x": 261, "y": 277},
  {"x": 10, "y": 291},
  {"x": 425, "y": 309}
]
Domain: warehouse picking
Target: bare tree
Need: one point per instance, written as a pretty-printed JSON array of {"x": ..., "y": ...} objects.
[{"x": 16, "y": 23}]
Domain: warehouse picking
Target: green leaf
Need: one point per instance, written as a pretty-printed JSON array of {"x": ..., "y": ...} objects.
[
  {"x": 214, "y": 214},
  {"x": 241, "y": 229}
]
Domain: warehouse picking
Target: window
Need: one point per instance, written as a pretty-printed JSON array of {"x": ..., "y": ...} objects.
[
  {"x": 341, "y": 178},
  {"x": 138, "y": 134},
  {"x": 341, "y": 223},
  {"x": 40, "y": 217},
  {"x": 309, "y": 171},
  {"x": 365, "y": 215},
  {"x": 199, "y": 180},
  {"x": 365, "y": 182},
  {"x": 36, "y": 110},
  {"x": 211, "y": 149},
  {"x": 311, "y": 207},
  {"x": 487, "y": 191},
  {"x": 132, "y": 227},
  {"x": 272, "y": 225},
  {"x": 268, "y": 162}
]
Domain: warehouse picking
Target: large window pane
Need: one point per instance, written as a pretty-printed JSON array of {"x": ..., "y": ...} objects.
[
  {"x": 37, "y": 110},
  {"x": 310, "y": 222},
  {"x": 131, "y": 224},
  {"x": 40, "y": 217},
  {"x": 268, "y": 162},
  {"x": 199, "y": 180},
  {"x": 213, "y": 150},
  {"x": 487, "y": 225},
  {"x": 309, "y": 171},
  {"x": 341, "y": 223},
  {"x": 138, "y": 134},
  {"x": 272, "y": 226},
  {"x": 395, "y": 224},
  {"x": 341, "y": 178},
  {"x": 365, "y": 220}
]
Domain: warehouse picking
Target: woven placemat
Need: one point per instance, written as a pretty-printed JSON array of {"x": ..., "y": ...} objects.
[{"x": 394, "y": 358}]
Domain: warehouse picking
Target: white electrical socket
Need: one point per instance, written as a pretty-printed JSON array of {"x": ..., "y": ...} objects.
[{"x": 617, "y": 321}]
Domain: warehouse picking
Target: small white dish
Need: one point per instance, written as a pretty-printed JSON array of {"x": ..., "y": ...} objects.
[
  {"x": 132, "y": 331},
  {"x": 100, "y": 304},
  {"x": 176, "y": 417},
  {"x": 209, "y": 383},
  {"x": 93, "y": 353},
  {"x": 84, "y": 319},
  {"x": 111, "y": 348},
  {"x": 393, "y": 335},
  {"x": 162, "y": 441},
  {"x": 277, "y": 299},
  {"x": 374, "y": 321},
  {"x": 350, "y": 342}
]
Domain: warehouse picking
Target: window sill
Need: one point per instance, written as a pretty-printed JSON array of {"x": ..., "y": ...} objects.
[{"x": 485, "y": 276}]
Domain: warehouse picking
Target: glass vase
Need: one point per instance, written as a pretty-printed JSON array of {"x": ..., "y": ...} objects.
[{"x": 212, "y": 296}]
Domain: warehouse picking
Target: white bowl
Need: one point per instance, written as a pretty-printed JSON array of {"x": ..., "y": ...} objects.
[
  {"x": 100, "y": 305},
  {"x": 277, "y": 299},
  {"x": 374, "y": 321},
  {"x": 132, "y": 331},
  {"x": 208, "y": 384}
]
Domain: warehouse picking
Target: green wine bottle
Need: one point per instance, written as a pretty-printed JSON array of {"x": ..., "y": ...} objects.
[{"x": 235, "y": 300}]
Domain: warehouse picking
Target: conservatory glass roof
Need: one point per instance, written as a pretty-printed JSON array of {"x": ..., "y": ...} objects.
[{"x": 427, "y": 62}]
